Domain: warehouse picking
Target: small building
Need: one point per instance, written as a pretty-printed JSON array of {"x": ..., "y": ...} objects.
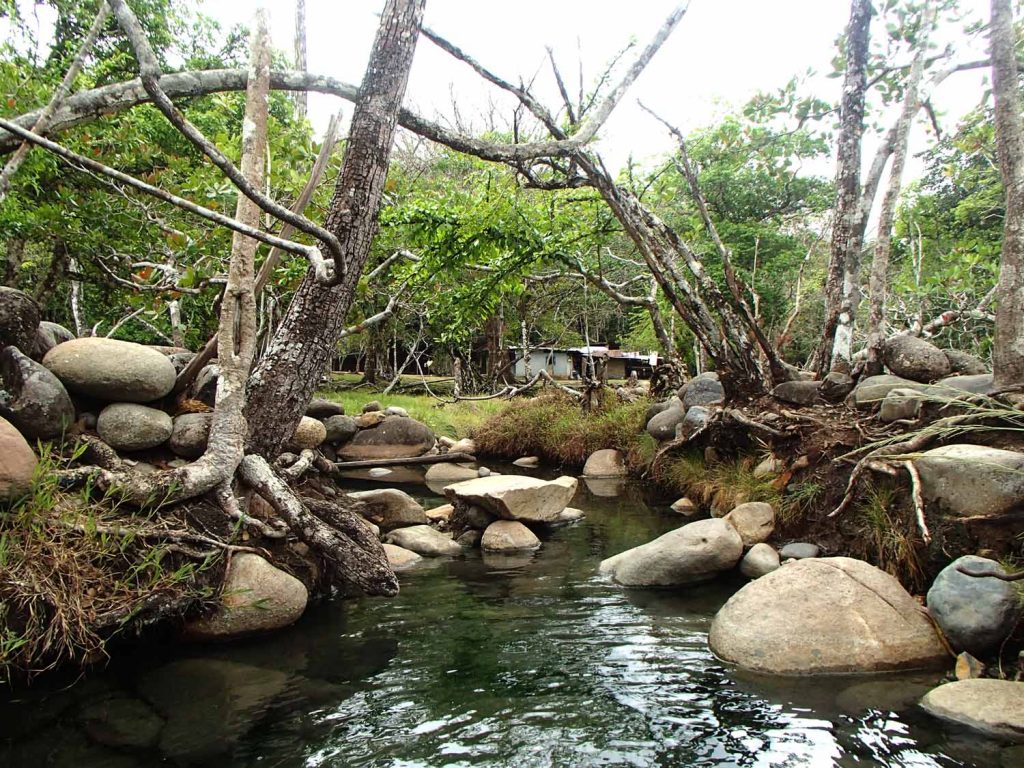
[
  {"x": 571, "y": 362},
  {"x": 557, "y": 362}
]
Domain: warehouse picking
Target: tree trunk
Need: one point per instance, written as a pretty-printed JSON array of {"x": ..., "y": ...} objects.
[
  {"x": 1008, "y": 348},
  {"x": 848, "y": 226},
  {"x": 283, "y": 383},
  {"x": 301, "y": 97}
]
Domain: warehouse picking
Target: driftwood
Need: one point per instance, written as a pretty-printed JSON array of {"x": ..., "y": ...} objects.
[{"x": 370, "y": 463}]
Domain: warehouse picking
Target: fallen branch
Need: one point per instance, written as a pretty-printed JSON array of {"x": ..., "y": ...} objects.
[
  {"x": 412, "y": 460},
  {"x": 915, "y": 487},
  {"x": 1015, "y": 576}
]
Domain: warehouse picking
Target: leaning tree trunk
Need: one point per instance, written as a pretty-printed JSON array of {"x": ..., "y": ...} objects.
[
  {"x": 283, "y": 383},
  {"x": 1008, "y": 349},
  {"x": 848, "y": 226}
]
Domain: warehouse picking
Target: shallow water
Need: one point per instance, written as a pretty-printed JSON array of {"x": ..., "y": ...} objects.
[{"x": 521, "y": 662}]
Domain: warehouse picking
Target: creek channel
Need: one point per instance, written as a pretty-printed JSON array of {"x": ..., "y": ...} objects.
[{"x": 485, "y": 661}]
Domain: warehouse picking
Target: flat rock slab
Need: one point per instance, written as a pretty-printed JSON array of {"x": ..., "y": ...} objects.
[
  {"x": 873, "y": 389},
  {"x": 994, "y": 707},
  {"x": 824, "y": 616},
  {"x": 516, "y": 497}
]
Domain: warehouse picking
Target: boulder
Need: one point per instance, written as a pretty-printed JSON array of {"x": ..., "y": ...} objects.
[
  {"x": 399, "y": 557},
  {"x": 704, "y": 389},
  {"x": 396, "y": 410},
  {"x": 48, "y": 336},
  {"x": 394, "y": 437},
  {"x": 465, "y": 445},
  {"x": 975, "y": 614},
  {"x": 967, "y": 480},
  {"x": 873, "y": 389},
  {"x": 111, "y": 370},
  {"x": 967, "y": 667},
  {"x": 964, "y": 363},
  {"x": 900, "y": 404},
  {"x": 17, "y": 463},
  {"x": 993, "y": 707},
  {"x": 390, "y": 508},
  {"x": 470, "y": 538},
  {"x": 372, "y": 406},
  {"x": 308, "y": 434},
  {"x": 663, "y": 425},
  {"x": 527, "y": 462},
  {"x": 257, "y": 597},
  {"x": 450, "y": 473},
  {"x": 694, "y": 553},
  {"x": 180, "y": 360},
  {"x": 424, "y": 540},
  {"x": 797, "y": 392},
  {"x": 799, "y": 550},
  {"x": 831, "y": 615},
  {"x": 32, "y": 398},
  {"x": 340, "y": 428},
  {"x": 470, "y": 516},
  {"x": 655, "y": 408},
  {"x": 753, "y": 521},
  {"x": 508, "y": 536},
  {"x": 761, "y": 560},
  {"x": 836, "y": 386},
  {"x": 133, "y": 427},
  {"x": 189, "y": 434},
  {"x": 567, "y": 516},
  {"x": 321, "y": 408},
  {"x": 19, "y": 319},
  {"x": 439, "y": 514},
  {"x": 914, "y": 358},
  {"x": 954, "y": 386},
  {"x": 606, "y": 462},
  {"x": 204, "y": 388},
  {"x": 516, "y": 497},
  {"x": 121, "y": 722}
]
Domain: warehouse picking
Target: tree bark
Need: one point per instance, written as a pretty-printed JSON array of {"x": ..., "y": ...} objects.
[
  {"x": 284, "y": 381},
  {"x": 849, "y": 223},
  {"x": 1008, "y": 347},
  {"x": 301, "y": 97}
]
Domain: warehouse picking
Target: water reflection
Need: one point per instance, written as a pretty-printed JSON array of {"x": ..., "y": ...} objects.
[{"x": 520, "y": 661}]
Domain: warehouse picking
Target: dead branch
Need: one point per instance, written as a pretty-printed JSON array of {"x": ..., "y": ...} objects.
[
  {"x": 1015, "y": 576},
  {"x": 412, "y": 460},
  {"x": 915, "y": 492}
]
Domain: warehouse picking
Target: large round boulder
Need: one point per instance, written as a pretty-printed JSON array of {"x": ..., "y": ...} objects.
[
  {"x": 872, "y": 390},
  {"x": 394, "y": 437},
  {"x": 964, "y": 363},
  {"x": 993, "y": 707},
  {"x": 704, "y": 389},
  {"x": 607, "y": 462},
  {"x": 694, "y": 553},
  {"x": 972, "y": 480},
  {"x": 830, "y": 615},
  {"x": 797, "y": 392},
  {"x": 915, "y": 359},
  {"x": 515, "y": 497},
  {"x": 975, "y": 613},
  {"x": 662, "y": 425},
  {"x": 111, "y": 370},
  {"x": 19, "y": 319},
  {"x": 48, "y": 336},
  {"x": 32, "y": 398},
  {"x": 17, "y": 463},
  {"x": 133, "y": 427},
  {"x": 425, "y": 541},
  {"x": 508, "y": 536},
  {"x": 190, "y": 434},
  {"x": 390, "y": 508},
  {"x": 308, "y": 434},
  {"x": 257, "y": 597}
]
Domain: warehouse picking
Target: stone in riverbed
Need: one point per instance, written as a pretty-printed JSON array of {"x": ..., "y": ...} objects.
[
  {"x": 975, "y": 614},
  {"x": 607, "y": 462},
  {"x": 257, "y": 597},
  {"x": 111, "y": 370},
  {"x": 819, "y": 616},
  {"x": 761, "y": 560},
  {"x": 190, "y": 434},
  {"x": 450, "y": 473},
  {"x": 32, "y": 398},
  {"x": 516, "y": 497},
  {"x": 19, "y": 319},
  {"x": 465, "y": 445},
  {"x": 993, "y": 707},
  {"x": 694, "y": 553},
  {"x": 133, "y": 427},
  {"x": 508, "y": 536},
  {"x": 424, "y": 540},
  {"x": 684, "y": 506},
  {"x": 121, "y": 722},
  {"x": 390, "y": 508},
  {"x": 437, "y": 514},
  {"x": 399, "y": 557},
  {"x": 393, "y": 438},
  {"x": 527, "y": 461},
  {"x": 967, "y": 480},
  {"x": 799, "y": 550},
  {"x": 17, "y": 463},
  {"x": 753, "y": 521}
]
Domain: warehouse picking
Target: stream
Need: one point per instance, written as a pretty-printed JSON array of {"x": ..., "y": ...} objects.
[{"x": 485, "y": 661}]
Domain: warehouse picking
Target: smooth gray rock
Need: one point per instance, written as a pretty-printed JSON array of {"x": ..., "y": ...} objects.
[
  {"x": 424, "y": 540},
  {"x": 322, "y": 408},
  {"x": 111, "y": 370},
  {"x": 390, "y": 508},
  {"x": 975, "y": 614},
  {"x": 508, "y": 536},
  {"x": 754, "y": 521},
  {"x": 527, "y": 462},
  {"x": 48, "y": 336},
  {"x": 32, "y": 398},
  {"x": 953, "y": 386},
  {"x": 655, "y": 408},
  {"x": 607, "y": 462},
  {"x": 915, "y": 359},
  {"x": 516, "y": 497},
  {"x": 872, "y": 390},
  {"x": 394, "y": 437},
  {"x": 799, "y": 550},
  {"x": 964, "y": 363},
  {"x": 663, "y": 425},
  {"x": 133, "y": 427},
  {"x": 340, "y": 428},
  {"x": 993, "y": 707},
  {"x": 450, "y": 473},
  {"x": 797, "y": 392},
  {"x": 400, "y": 557},
  {"x": 696, "y": 419},
  {"x": 204, "y": 388},
  {"x": 372, "y": 406},
  {"x": 19, "y": 319},
  {"x": 967, "y": 480},
  {"x": 180, "y": 360},
  {"x": 696, "y": 552},
  {"x": 900, "y": 404},
  {"x": 761, "y": 560},
  {"x": 190, "y": 433},
  {"x": 824, "y": 616},
  {"x": 704, "y": 389},
  {"x": 396, "y": 410},
  {"x": 836, "y": 386},
  {"x": 122, "y": 722}
]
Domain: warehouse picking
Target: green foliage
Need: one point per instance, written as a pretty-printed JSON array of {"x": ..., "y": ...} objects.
[{"x": 721, "y": 485}]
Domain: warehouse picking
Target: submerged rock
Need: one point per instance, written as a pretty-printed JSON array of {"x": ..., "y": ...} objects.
[
  {"x": 133, "y": 427},
  {"x": 993, "y": 707},
  {"x": 390, "y": 508},
  {"x": 508, "y": 536},
  {"x": 123, "y": 722},
  {"x": 32, "y": 398},
  {"x": 825, "y": 616},
  {"x": 694, "y": 553},
  {"x": 111, "y": 370},
  {"x": 606, "y": 462},
  {"x": 424, "y": 540},
  {"x": 516, "y": 497},
  {"x": 967, "y": 480},
  {"x": 975, "y": 614}
]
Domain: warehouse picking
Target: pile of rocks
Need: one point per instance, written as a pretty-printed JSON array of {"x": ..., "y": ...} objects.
[{"x": 688, "y": 410}]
